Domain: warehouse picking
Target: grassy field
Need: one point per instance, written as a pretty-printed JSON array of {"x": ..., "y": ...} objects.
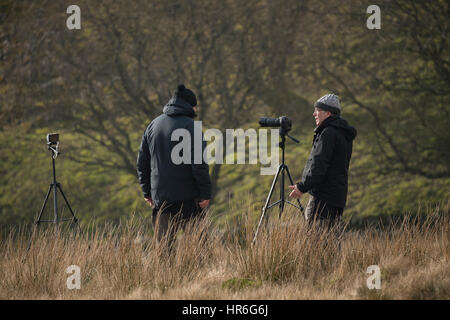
[{"x": 288, "y": 261}]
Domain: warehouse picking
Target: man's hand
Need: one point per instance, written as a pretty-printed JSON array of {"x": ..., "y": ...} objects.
[
  {"x": 297, "y": 194},
  {"x": 149, "y": 201},
  {"x": 203, "y": 204}
]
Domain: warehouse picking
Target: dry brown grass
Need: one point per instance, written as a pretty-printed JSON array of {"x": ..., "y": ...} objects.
[{"x": 287, "y": 262}]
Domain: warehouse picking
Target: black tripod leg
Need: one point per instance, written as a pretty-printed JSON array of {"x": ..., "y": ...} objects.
[
  {"x": 40, "y": 215},
  {"x": 292, "y": 183},
  {"x": 44, "y": 204},
  {"x": 283, "y": 167},
  {"x": 75, "y": 220},
  {"x": 272, "y": 188}
]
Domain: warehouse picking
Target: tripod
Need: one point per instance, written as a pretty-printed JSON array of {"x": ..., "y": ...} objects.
[
  {"x": 282, "y": 169},
  {"x": 55, "y": 186}
]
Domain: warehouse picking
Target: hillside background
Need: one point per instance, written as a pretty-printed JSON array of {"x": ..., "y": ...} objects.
[{"x": 100, "y": 86}]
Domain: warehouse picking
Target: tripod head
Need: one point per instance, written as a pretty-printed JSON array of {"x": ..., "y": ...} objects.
[
  {"x": 54, "y": 150},
  {"x": 285, "y": 134}
]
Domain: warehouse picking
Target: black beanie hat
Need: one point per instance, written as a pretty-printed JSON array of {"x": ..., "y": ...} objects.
[{"x": 186, "y": 94}]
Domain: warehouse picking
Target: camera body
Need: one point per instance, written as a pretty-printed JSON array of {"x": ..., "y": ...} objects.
[
  {"x": 283, "y": 122},
  {"x": 52, "y": 138}
]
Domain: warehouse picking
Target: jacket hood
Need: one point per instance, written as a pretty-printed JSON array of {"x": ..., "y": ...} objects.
[
  {"x": 341, "y": 124},
  {"x": 178, "y": 107}
]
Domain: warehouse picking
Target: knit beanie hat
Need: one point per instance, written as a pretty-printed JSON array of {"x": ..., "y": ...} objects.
[
  {"x": 186, "y": 94},
  {"x": 329, "y": 102}
]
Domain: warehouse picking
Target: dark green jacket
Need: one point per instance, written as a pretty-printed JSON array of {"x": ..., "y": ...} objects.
[
  {"x": 160, "y": 178},
  {"x": 326, "y": 172}
]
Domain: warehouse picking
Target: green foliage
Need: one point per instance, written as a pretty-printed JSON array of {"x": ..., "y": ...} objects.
[
  {"x": 100, "y": 196},
  {"x": 100, "y": 86},
  {"x": 95, "y": 195},
  {"x": 237, "y": 284}
]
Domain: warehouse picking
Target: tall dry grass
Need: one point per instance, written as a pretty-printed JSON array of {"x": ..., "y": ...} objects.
[{"x": 288, "y": 261}]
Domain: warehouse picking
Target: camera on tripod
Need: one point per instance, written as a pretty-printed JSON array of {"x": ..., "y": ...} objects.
[
  {"x": 283, "y": 122},
  {"x": 53, "y": 145},
  {"x": 52, "y": 138},
  {"x": 285, "y": 125}
]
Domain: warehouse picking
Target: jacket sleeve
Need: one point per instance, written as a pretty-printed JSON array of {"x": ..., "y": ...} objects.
[
  {"x": 319, "y": 161},
  {"x": 200, "y": 171},
  {"x": 144, "y": 168}
]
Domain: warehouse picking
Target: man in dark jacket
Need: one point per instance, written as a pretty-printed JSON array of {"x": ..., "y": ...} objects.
[
  {"x": 325, "y": 176},
  {"x": 173, "y": 190}
]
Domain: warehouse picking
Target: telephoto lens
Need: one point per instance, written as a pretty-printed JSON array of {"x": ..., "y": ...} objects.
[
  {"x": 283, "y": 122},
  {"x": 269, "y": 122}
]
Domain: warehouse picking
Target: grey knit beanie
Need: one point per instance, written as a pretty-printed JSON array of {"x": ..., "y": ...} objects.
[{"x": 329, "y": 102}]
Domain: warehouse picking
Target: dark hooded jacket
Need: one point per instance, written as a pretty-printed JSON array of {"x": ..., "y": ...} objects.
[
  {"x": 160, "y": 178},
  {"x": 326, "y": 172}
]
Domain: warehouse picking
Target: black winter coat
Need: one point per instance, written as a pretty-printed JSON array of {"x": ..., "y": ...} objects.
[
  {"x": 160, "y": 178},
  {"x": 326, "y": 172}
]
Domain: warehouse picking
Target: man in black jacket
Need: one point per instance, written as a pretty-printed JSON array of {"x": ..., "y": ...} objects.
[
  {"x": 178, "y": 191},
  {"x": 325, "y": 176}
]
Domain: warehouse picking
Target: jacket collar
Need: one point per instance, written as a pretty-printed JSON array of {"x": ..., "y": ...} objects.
[
  {"x": 339, "y": 123},
  {"x": 179, "y": 107},
  {"x": 326, "y": 123}
]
